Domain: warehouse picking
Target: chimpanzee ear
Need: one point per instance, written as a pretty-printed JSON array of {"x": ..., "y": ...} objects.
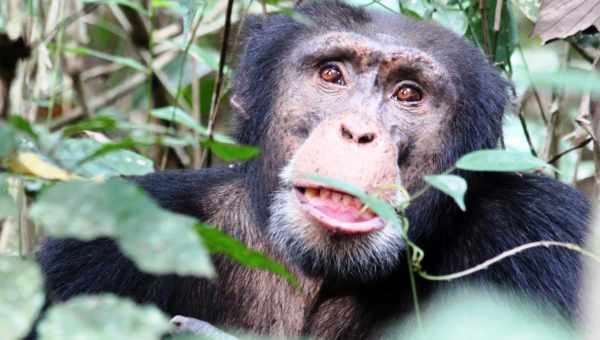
[{"x": 250, "y": 32}]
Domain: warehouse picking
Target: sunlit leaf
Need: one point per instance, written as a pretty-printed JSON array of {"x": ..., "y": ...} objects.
[
  {"x": 21, "y": 296},
  {"x": 102, "y": 317},
  {"x": 452, "y": 185},
  {"x": 219, "y": 242},
  {"x": 380, "y": 207},
  {"x": 231, "y": 152},
  {"x": 29, "y": 163},
  {"x": 157, "y": 240},
  {"x": 500, "y": 160}
]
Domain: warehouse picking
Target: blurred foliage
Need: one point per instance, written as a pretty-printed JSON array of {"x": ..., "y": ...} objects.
[{"x": 108, "y": 88}]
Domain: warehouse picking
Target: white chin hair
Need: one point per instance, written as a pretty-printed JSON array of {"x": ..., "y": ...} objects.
[{"x": 318, "y": 251}]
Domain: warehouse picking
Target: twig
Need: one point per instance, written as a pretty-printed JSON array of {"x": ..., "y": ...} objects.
[
  {"x": 497, "y": 24},
  {"x": 216, "y": 99},
  {"x": 527, "y": 135},
  {"x": 484, "y": 28},
  {"x": 578, "y": 146},
  {"x": 509, "y": 253},
  {"x": 582, "y": 52},
  {"x": 65, "y": 23}
]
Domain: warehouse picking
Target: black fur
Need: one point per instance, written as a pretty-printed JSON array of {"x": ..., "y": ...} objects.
[{"x": 503, "y": 210}]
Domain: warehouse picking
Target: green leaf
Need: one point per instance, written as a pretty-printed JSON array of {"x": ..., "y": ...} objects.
[
  {"x": 128, "y": 62},
  {"x": 380, "y": 207},
  {"x": 157, "y": 240},
  {"x": 102, "y": 316},
  {"x": 8, "y": 207},
  {"x": 99, "y": 123},
  {"x": 231, "y": 152},
  {"x": 456, "y": 20},
  {"x": 452, "y": 185},
  {"x": 8, "y": 142},
  {"x": 500, "y": 160},
  {"x": 570, "y": 79},
  {"x": 205, "y": 54},
  {"x": 21, "y": 296},
  {"x": 177, "y": 115},
  {"x": 219, "y": 242},
  {"x": 89, "y": 158},
  {"x": 21, "y": 124}
]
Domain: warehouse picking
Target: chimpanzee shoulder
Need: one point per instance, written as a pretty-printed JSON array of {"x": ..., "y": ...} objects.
[{"x": 505, "y": 211}]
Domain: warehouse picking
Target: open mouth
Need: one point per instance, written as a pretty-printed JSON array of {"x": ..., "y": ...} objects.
[{"x": 337, "y": 211}]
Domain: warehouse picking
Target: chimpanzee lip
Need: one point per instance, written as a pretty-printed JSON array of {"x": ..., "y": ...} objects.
[{"x": 348, "y": 221}]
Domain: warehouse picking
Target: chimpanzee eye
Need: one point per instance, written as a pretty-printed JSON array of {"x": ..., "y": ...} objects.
[
  {"x": 408, "y": 93},
  {"x": 331, "y": 73}
]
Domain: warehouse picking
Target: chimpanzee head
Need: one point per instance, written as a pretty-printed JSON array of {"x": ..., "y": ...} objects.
[{"x": 373, "y": 99}]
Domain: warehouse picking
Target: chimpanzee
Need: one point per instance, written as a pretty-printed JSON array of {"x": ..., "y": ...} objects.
[{"x": 375, "y": 100}]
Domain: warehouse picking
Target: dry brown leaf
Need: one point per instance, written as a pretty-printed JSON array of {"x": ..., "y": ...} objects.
[{"x": 560, "y": 19}]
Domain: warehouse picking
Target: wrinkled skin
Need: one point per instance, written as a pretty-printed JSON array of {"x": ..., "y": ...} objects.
[{"x": 406, "y": 138}]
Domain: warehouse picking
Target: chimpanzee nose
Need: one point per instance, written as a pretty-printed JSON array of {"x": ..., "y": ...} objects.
[{"x": 357, "y": 134}]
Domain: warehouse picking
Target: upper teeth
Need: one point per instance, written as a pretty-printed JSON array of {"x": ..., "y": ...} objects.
[{"x": 339, "y": 198}]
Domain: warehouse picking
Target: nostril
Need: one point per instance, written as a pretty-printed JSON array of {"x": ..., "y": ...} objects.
[
  {"x": 366, "y": 138},
  {"x": 346, "y": 133}
]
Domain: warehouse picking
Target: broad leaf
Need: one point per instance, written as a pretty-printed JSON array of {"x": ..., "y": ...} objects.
[
  {"x": 230, "y": 152},
  {"x": 117, "y": 162},
  {"x": 500, "y": 160},
  {"x": 380, "y": 207},
  {"x": 21, "y": 296},
  {"x": 219, "y": 242},
  {"x": 157, "y": 240},
  {"x": 456, "y": 20},
  {"x": 103, "y": 317},
  {"x": 452, "y": 185}
]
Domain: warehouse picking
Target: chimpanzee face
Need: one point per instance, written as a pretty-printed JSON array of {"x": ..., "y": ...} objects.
[{"x": 365, "y": 107}]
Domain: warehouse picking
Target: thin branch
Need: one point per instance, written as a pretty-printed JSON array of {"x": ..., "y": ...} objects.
[
  {"x": 582, "y": 52},
  {"x": 527, "y": 135},
  {"x": 578, "y": 146},
  {"x": 216, "y": 99},
  {"x": 484, "y": 28},
  {"x": 506, "y": 254},
  {"x": 497, "y": 25}
]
